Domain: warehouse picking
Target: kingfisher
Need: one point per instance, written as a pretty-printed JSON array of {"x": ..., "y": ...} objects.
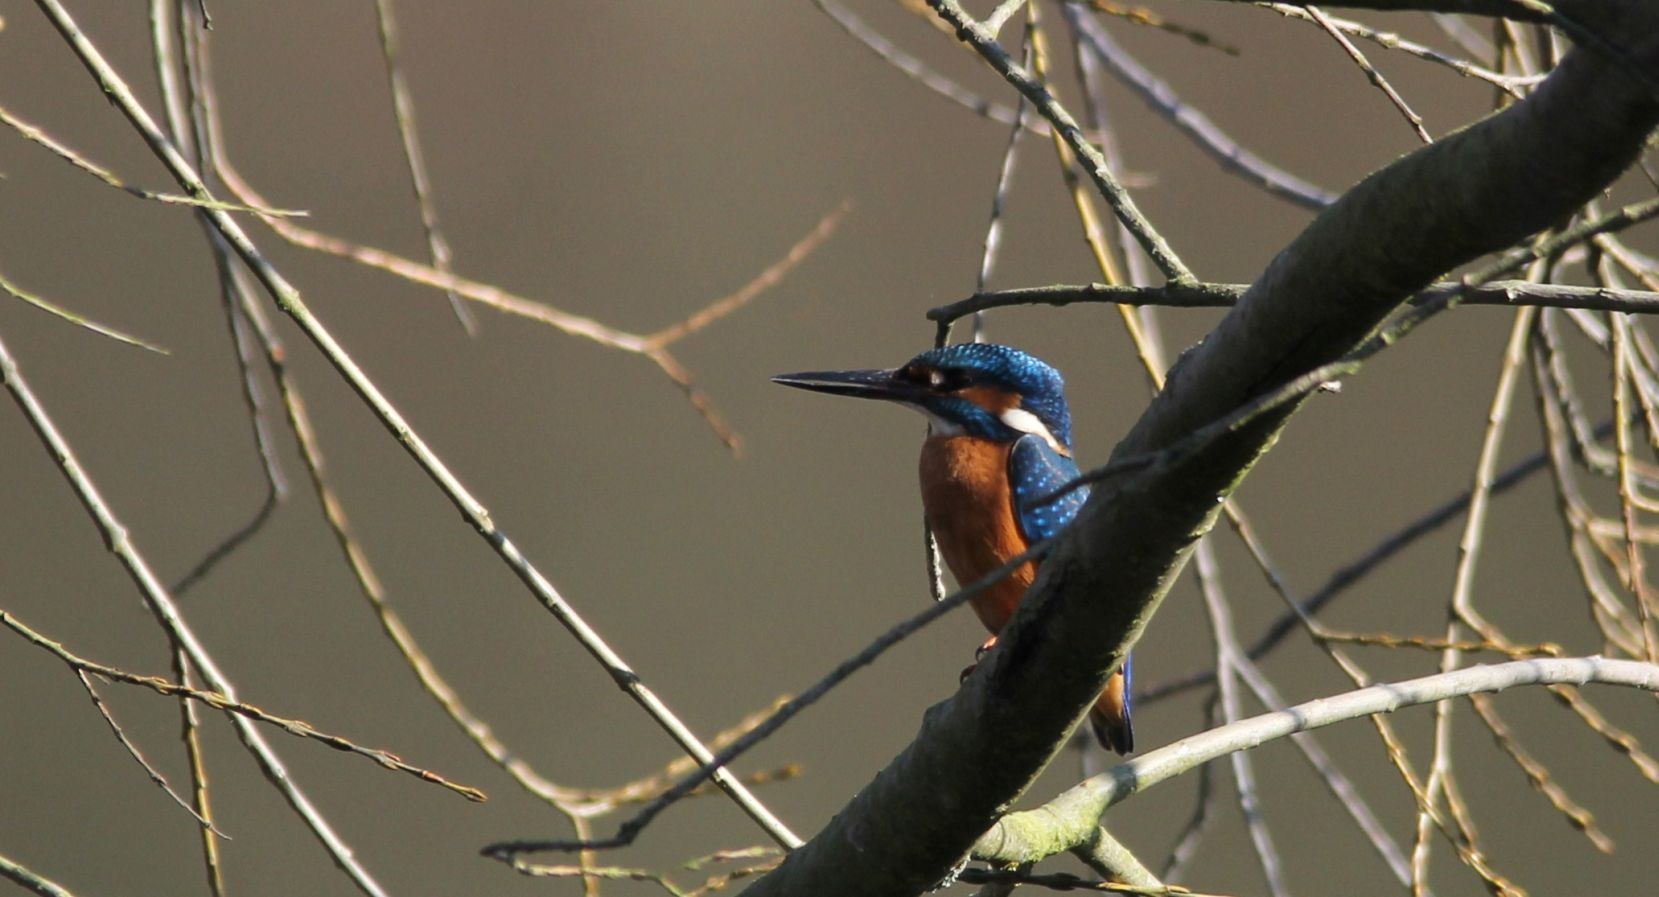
[{"x": 998, "y": 444}]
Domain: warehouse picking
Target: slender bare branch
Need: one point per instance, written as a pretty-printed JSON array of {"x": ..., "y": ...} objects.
[
  {"x": 23, "y": 876},
  {"x": 222, "y": 702},
  {"x": 973, "y": 34},
  {"x": 288, "y": 299},
  {"x": 1508, "y": 293},
  {"x": 1189, "y": 121},
  {"x": 403, "y": 109},
  {"x": 1073, "y": 814}
]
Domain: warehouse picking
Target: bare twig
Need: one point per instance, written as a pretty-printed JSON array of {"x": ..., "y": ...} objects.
[
  {"x": 403, "y": 109},
  {"x": 27, "y": 878},
  {"x": 1195, "y": 125},
  {"x": 75, "y": 318},
  {"x": 190, "y": 731},
  {"x": 1198, "y": 823},
  {"x": 1509, "y": 84},
  {"x": 1538, "y": 775},
  {"x": 1460, "y": 610},
  {"x": 156, "y": 778},
  {"x": 653, "y": 346},
  {"x": 1226, "y": 661},
  {"x": 1635, "y": 577},
  {"x": 162, "y": 607},
  {"x": 1508, "y": 293},
  {"x": 35, "y": 135},
  {"x": 920, "y": 71},
  {"x": 1005, "y": 178},
  {"x": 1140, "y": 15},
  {"x": 1094, "y": 235},
  {"x": 1371, "y": 73},
  {"x": 508, "y": 851},
  {"x": 1347, "y": 575},
  {"x": 289, "y": 300},
  {"x": 972, "y": 33},
  {"x": 222, "y": 702},
  {"x": 1073, "y": 814}
]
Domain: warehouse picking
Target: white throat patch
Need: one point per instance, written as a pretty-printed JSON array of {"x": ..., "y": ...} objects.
[
  {"x": 1026, "y": 422},
  {"x": 938, "y": 426}
]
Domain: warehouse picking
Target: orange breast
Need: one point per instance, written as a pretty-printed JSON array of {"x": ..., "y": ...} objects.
[{"x": 967, "y": 500}]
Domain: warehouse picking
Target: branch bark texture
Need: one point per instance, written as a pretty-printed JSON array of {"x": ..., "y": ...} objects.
[{"x": 1475, "y": 191}]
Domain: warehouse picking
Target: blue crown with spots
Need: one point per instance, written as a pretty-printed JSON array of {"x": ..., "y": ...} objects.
[{"x": 1041, "y": 389}]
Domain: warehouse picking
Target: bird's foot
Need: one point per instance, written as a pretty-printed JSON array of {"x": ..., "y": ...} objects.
[{"x": 979, "y": 654}]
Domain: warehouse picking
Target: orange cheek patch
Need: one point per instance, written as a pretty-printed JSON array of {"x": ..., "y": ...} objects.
[{"x": 995, "y": 401}]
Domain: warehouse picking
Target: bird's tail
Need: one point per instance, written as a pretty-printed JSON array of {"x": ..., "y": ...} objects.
[{"x": 1109, "y": 717}]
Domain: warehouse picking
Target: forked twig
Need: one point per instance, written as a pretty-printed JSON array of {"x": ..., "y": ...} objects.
[
  {"x": 226, "y": 704},
  {"x": 1123, "y": 205},
  {"x": 1371, "y": 73},
  {"x": 403, "y": 109},
  {"x": 290, "y": 301},
  {"x": 162, "y": 607}
]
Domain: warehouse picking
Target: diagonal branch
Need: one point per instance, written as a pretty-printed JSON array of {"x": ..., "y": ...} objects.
[
  {"x": 288, "y": 299},
  {"x": 1071, "y": 817},
  {"x": 1476, "y": 191},
  {"x": 1507, "y": 293},
  {"x": 975, "y": 35}
]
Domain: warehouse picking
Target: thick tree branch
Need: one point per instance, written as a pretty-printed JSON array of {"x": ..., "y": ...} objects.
[{"x": 1475, "y": 192}]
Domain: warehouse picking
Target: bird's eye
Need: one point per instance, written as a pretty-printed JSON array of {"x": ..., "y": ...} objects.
[{"x": 947, "y": 380}]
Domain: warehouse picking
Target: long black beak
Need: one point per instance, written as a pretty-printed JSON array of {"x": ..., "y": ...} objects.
[{"x": 873, "y": 384}]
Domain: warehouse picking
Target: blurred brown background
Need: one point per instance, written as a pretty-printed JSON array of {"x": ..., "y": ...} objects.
[{"x": 632, "y": 162}]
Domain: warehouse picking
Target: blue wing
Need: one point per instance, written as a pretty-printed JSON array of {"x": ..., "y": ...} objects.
[{"x": 1036, "y": 470}]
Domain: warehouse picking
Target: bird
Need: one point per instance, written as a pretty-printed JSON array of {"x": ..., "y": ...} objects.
[{"x": 998, "y": 446}]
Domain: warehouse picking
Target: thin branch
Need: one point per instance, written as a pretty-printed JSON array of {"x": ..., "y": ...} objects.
[
  {"x": 1460, "y": 611},
  {"x": 1140, "y": 15},
  {"x": 1094, "y": 235},
  {"x": 1371, "y": 73},
  {"x": 403, "y": 109},
  {"x": 255, "y": 401},
  {"x": 629, "y": 830},
  {"x": 35, "y": 135},
  {"x": 1635, "y": 579},
  {"x": 653, "y": 346},
  {"x": 1538, "y": 776},
  {"x": 1505, "y": 293},
  {"x": 1108, "y": 856},
  {"x": 973, "y": 34},
  {"x": 1193, "y": 124},
  {"x": 765, "y": 280},
  {"x": 993, "y": 23},
  {"x": 76, "y": 318},
  {"x": 1202, "y": 817},
  {"x": 920, "y": 71},
  {"x": 156, "y": 778},
  {"x": 1509, "y": 84},
  {"x": 288, "y": 299},
  {"x": 1226, "y": 661},
  {"x": 171, "y": 31},
  {"x": 31, "y": 880},
  {"x": 163, "y": 608},
  {"x": 226, "y": 704},
  {"x": 1071, "y": 816},
  {"x": 190, "y": 732},
  {"x": 1005, "y": 179}
]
